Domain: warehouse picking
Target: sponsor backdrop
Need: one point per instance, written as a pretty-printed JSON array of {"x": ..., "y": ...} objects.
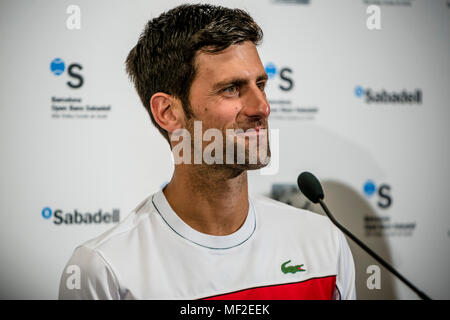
[{"x": 364, "y": 108}]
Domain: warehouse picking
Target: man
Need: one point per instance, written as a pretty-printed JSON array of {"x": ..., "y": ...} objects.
[{"x": 197, "y": 72}]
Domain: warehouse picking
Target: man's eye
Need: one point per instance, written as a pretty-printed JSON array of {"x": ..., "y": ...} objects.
[
  {"x": 262, "y": 86},
  {"x": 233, "y": 90}
]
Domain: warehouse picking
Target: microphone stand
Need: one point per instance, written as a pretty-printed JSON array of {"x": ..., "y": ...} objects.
[{"x": 373, "y": 254}]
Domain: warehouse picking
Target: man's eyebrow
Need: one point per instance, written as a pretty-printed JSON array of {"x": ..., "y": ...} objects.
[
  {"x": 237, "y": 82},
  {"x": 264, "y": 76}
]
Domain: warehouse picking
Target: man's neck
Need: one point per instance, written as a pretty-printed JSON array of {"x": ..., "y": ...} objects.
[{"x": 211, "y": 201}]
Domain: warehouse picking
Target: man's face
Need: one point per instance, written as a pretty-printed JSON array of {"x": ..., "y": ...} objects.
[{"x": 228, "y": 93}]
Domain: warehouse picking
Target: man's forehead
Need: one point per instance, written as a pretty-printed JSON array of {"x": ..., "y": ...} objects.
[{"x": 236, "y": 60}]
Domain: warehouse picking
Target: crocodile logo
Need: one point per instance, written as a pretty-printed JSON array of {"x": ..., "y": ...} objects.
[{"x": 291, "y": 269}]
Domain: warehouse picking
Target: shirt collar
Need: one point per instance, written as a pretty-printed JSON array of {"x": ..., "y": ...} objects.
[{"x": 202, "y": 239}]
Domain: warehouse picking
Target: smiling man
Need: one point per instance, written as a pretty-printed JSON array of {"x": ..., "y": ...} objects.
[{"x": 198, "y": 73}]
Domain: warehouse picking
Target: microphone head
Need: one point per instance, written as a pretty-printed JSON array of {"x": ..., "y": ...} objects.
[{"x": 310, "y": 186}]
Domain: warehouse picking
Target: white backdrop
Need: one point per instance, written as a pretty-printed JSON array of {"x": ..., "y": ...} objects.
[{"x": 384, "y": 165}]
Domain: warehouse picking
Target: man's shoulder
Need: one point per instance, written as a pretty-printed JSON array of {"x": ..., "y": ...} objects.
[
  {"x": 97, "y": 259},
  {"x": 128, "y": 225},
  {"x": 282, "y": 213}
]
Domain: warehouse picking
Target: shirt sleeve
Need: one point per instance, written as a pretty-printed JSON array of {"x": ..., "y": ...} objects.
[
  {"x": 87, "y": 276},
  {"x": 345, "y": 280}
]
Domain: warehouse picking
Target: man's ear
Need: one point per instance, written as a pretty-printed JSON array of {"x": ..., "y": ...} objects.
[{"x": 167, "y": 111}]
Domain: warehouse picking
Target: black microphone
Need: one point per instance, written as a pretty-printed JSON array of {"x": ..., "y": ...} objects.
[{"x": 311, "y": 188}]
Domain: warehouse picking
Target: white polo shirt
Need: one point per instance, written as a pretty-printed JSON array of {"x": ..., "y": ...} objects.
[{"x": 280, "y": 252}]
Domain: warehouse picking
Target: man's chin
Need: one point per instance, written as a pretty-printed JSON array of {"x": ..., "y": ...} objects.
[
  {"x": 250, "y": 166},
  {"x": 255, "y": 166},
  {"x": 240, "y": 167}
]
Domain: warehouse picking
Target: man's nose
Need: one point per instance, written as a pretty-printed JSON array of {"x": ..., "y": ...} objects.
[{"x": 255, "y": 104}]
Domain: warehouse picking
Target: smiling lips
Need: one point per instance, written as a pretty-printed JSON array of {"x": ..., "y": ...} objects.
[{"x": 254, "y": 131}]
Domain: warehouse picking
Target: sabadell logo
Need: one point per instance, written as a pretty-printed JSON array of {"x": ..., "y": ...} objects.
[
  {"x": 285, "y": 81},
  {"x": 97, "y": 217},
  {"x": 382, "y": 192},
  {"x": 389, "y": 97},
  {"x": 58, "y": 66}
]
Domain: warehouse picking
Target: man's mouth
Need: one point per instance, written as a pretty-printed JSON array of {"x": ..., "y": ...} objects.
[{"x": 255, "y": 131}]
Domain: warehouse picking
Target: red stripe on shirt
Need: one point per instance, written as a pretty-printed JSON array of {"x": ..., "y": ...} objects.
[{"x": 312, "y": 289}]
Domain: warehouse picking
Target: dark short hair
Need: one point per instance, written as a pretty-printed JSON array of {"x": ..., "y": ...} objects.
[{"x": 163, "y": 58}]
